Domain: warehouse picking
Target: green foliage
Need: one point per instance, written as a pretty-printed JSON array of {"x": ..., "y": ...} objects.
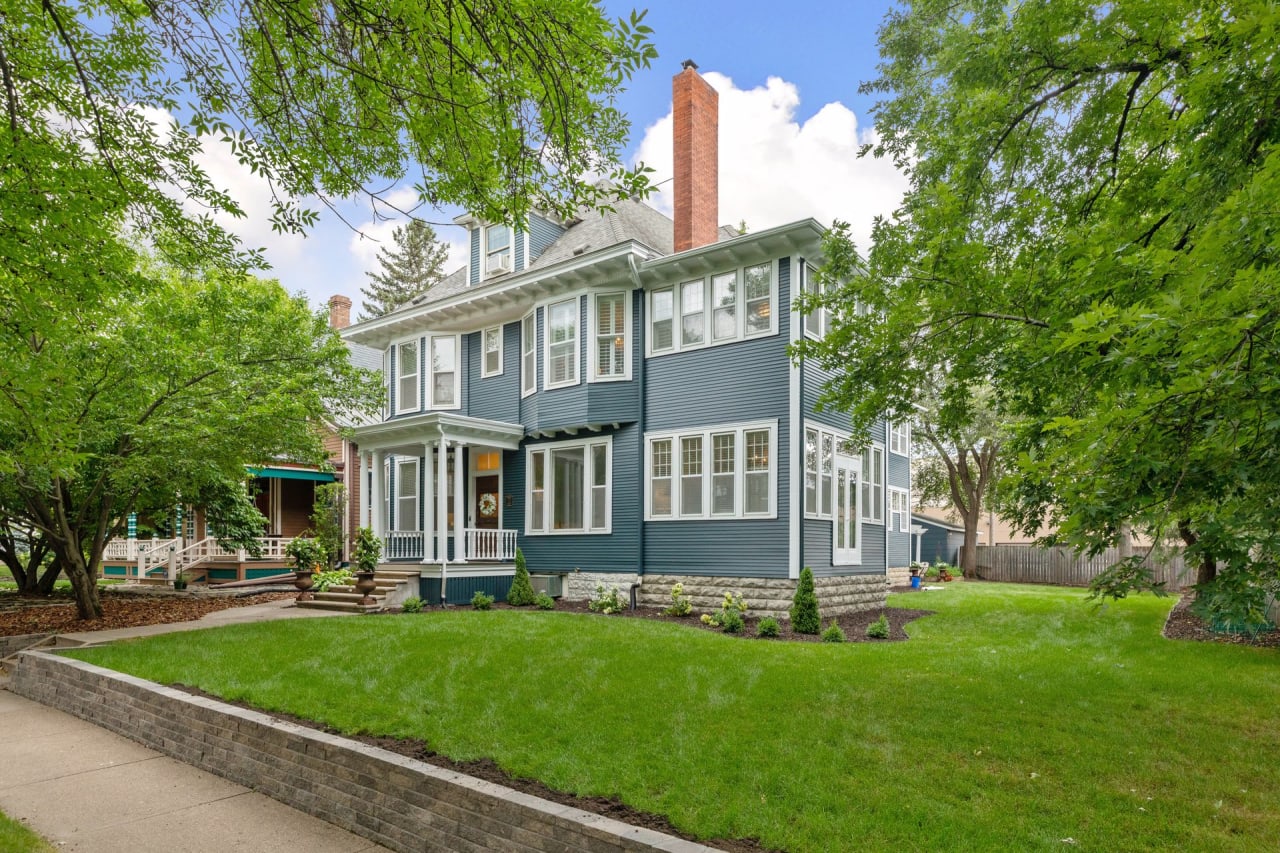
[
  {"x": 521, "y": 593},
  {"x": 1089, "y": 233},
  {"x": 306, "y": 553},
  {"x": 481, "y": 601},
  {"x": 230, "y": 511},
  {"x": 729, "y": 618},
  {"x": 879, "y": 629},
  {"x": 804, "y": 606},
  {"x": 768, "y": 627},
  {"x": 544, "y": 602},
  {"x": 410, "y": 269},
  {"x": 606, "y": 601},
  {"x": 680, "y": 604},
  {"x": 833, "y": 634},
  {"x": 326, "y": 522},
  {"x": 1124, "y": 578},
  {"x": 367, "y": 550},
  {"x": 337, "y": 577},
  {"x": 413, "y": 604},
  {"x": 1235, "y": 604}
]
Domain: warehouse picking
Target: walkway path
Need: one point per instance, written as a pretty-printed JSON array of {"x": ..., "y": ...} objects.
[{"x": 87, "y": 789}]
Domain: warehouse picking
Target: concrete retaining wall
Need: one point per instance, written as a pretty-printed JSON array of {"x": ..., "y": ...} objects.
[
  {"x": 767, "y": 596},
  {"x": 398, "y": 802}
]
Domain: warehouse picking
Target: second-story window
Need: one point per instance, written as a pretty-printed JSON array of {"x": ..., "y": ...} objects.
[
  {"x": 407, "y": 377},
  {"x": 729, "y": 306},
  {"x": 529, "y": 354},
  {"x": 611, "y": 336},
  {"x": 693, "y": 320},
  {"x": 724, "y": 302},
  {"x": 497, "y": 240},
  {"x": 899, "y": 438},
  {"x": 660, "y": 317},
  {"x": 444, "y": 373},
  {"x": 562, "y": 344},
  {"x": 491, "y": 364}
]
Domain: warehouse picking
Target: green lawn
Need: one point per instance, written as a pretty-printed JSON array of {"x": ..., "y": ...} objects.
[
  {"x": 16, "y": 838},
  {"x": 1016, "y": 718}
]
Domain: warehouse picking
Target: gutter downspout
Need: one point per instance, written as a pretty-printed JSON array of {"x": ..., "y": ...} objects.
[{"x": 641, "y": 392}]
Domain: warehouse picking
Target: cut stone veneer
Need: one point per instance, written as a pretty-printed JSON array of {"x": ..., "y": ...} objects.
[
  {"x": 395, "y": 801},
  {"x": 900, "y": 576},
  {"x": 767, "y": 596},
  {"x": 579, "y": 586}
]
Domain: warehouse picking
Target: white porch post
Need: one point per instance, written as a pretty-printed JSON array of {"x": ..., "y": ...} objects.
[
  {"x": 428, "y": 505},
  {"x": 366, "y": 464},
  {"x": 442, "y": 507},
  {"x": 459, "y": 516},
  {"x": 375, "y": 495}
]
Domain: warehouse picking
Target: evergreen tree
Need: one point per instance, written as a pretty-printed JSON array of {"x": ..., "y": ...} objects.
[
  {"x": 521, "y": 593},
  {"x": 804, "y": 607},
  {"x": 408, "y": 270}
]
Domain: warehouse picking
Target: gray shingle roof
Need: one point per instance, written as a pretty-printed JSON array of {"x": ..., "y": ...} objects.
[{"x": 365, "y": 357}]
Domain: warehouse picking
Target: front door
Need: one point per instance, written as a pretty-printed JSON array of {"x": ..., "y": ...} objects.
[
  {"x": 846, "y": 546},
  {"x": 486, "y": 498}
]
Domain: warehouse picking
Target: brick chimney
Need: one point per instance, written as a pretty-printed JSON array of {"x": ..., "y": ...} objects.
[
  {"x": 696, "y": 138},
  {"x": 339, "y": 311}
]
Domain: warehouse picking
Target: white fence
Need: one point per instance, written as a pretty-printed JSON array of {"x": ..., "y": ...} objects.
[
  {"x": 478, "y": 544},
  {"x": 1064, "y": 567}
]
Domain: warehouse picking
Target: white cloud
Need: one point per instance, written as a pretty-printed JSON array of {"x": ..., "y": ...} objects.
[{"x": 775, "y": 169}]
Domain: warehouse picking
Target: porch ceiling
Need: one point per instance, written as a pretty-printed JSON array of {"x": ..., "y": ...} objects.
[{"x": 412, "y": 432}]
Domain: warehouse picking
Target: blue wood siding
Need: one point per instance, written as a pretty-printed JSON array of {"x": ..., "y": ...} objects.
[
  {"x": 460, "y": 589},
  {"x": 541, "y": 235},
  {"x": 517, "y": 236},
  {"x": 816, "y": 553},
  {"x": 898, "y": 545},
  {"x": 529, "y": 405},
  {"x": 615, "y": 552},
  {"x": 473, "y": 271},
  {"x": 494, "y": 397}
]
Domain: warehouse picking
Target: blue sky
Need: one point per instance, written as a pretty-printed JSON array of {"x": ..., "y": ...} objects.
[{"x": 791, "y": 122}]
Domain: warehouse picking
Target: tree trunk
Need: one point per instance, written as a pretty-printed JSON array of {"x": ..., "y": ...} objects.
[
  {"x": 969, "y": 550},
  {"x": 1125, "y": 544},
  {"x": 1208, "y": 569},
  {"x": 84, "y": 586}
]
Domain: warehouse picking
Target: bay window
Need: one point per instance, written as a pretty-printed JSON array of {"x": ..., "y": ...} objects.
[
  {"x": 444, "y": 372},
  {"x": 721, "y": 472},
  {"x": 407, "y": 372},
  {"x": 562, "y": 344},
  {"x": 570, "y": 487},
  {"x": 610, "y": 353},
  {"x": 528, "y": 355}
]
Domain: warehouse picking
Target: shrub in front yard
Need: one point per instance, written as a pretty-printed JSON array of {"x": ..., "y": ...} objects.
[
  {"x": 833, "y": 634},
  {"x": 879, "y": 629},
  {"x": 804, "y": 607},
  {"x": 729, "y": 617},
  {"x": 545, "y": 602},
  {"x": 412, "y": 605},
  {"x": 521, "y": 593},
  {"x": 480, "y": 601},
  {"x": 768, "y": 627},
  {"x": 680, "y": 605},
  {"x": 606, "y": 602}
]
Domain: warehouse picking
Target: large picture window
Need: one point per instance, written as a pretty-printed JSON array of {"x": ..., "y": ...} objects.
[
  {"x": 873, "y": 484},
  {"x": 570, "y": 487},
  {"x": 720, "y": 308},
  {"x": 722, "y": 472},
  {"x": 562, "y": 344},
  {"x": 407, "y": 372}
]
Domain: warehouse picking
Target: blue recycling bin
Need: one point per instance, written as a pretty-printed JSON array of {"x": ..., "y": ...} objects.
[{"x": 915, "y": 581}]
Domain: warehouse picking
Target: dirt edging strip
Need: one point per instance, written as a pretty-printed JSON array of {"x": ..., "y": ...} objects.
[{"x": 390, "y": 799}]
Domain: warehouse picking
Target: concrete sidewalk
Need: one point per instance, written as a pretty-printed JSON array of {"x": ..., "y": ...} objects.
[{"x": 86, "y": 789}]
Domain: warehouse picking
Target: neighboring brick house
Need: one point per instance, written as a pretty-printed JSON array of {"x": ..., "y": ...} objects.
[{"x": 613, "y": 395}]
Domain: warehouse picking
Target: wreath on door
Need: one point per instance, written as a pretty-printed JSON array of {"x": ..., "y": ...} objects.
[{"x": 488, "y": 504}]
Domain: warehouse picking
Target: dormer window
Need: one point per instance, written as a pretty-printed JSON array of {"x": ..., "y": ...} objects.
[{"x": 497, "y": 240}]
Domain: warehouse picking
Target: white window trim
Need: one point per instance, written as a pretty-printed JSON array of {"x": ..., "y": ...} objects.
[
  {"x": 807, "y": 277},
  {"x": 548, "y": 491},
  {"x": 547, "y": 384},
  {"x": 884, "y": 481},
  {"x": 484, "y": 351},
  {"x": 484, "y": 250},
  {"x": 905, "y": 525},
  {"x": 529, "y": 379},
  {"x": 403, "y": 462},
  {"x": 853, "y": 464},
  {"x": 837, "y": 439},
  {"x": 900, "y": 430},
  {"x": 431, "y": 374},
  {"x": 708, "y": 327},
  {"x": 400, "y": 408},
  {"x": 593, "y": 354},
  {"x": 739, "y": 471}
]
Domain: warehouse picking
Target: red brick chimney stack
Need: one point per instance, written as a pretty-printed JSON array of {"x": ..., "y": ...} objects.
[
  {"x": 339, "y": 312},
  {"x": 696, "y": 137}
]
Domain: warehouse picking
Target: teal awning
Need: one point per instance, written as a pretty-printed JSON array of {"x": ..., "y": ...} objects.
[{"x": 292, "y": 474}]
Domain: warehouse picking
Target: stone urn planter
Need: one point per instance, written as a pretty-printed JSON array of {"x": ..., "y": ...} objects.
[
  {"x": 304, "y": 579},
  {"x": 365, "y": 585}
]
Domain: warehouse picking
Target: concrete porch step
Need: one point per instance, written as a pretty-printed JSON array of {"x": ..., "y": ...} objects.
[{"x": 342, "y": 606}]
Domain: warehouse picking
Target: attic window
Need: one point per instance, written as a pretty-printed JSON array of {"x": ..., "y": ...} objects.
[{"x": 498, "y": 249}]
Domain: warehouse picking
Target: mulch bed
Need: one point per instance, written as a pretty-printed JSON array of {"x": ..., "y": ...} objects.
[
  {"x": 57, "y": 613},
  {"x": 1182, "y": 624}
]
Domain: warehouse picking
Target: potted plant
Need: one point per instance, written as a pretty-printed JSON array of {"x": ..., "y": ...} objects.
[
  {"x": 368, "y": 550},
  {"x": 306, "y": 555},
  {"x": 180, "y": 581}
]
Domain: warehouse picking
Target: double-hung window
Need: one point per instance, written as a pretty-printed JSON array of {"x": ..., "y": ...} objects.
[
  {"x": 819, "y": 464},
  {"x": 406, "y": 494},
  {"x": 899, "y": 438},
  {"x": 610, "y": 354},
  {"x": 873, "y": 484},
  {"x": 497, "y": 240},
  {"x": 660, "y": 313},
  {"x": 562, "y": 344},
  {"x": 693, "y": 317},
  {"x": 529, "y": 354},
  {"x": 721, "y": 472},
  {"x": 899, "y": 510},
  {"x": 408, "y": 369},
  {"x": 721, "y": 308},
  {"x": 724, "y": 302},
  {"x": 491, "y": 339},
  {"x": 570, "y": 487},
  {"x": 757, "y": 286},
  {"x": 444, "y": 372},
  {"x": 818, "y": 321}
]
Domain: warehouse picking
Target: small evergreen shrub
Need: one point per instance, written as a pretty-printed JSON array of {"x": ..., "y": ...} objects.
[
  {"x": 680, "y": 605},
  {"x": 768, "y": 627},
  {"x": 804, "y": 607},
  {"x": 412, "y": 605},
  {"x": 606, "y": 602},
  {"x": 521, "y": 593},
  {"x": 879, "y": 629},
  {"x": 545, "y": 602},
  {"x": 833, "y": 634},
  {"x": 480, "y": 601},
  {"x": 729, "y": 617}
]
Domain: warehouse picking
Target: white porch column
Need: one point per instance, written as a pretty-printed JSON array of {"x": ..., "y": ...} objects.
[
  {"x": 366, "y": 464},
  {"x": 428, "y": 505},
  {"x": 376, "y": 510},
  {"x": 442, "y": 505},
  {"x": 459, "y": 510}
]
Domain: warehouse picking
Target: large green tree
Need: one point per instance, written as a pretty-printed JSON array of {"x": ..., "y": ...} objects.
[
  {"x": 1090, "y": 228},
  {"x": 406, "y": 270}
]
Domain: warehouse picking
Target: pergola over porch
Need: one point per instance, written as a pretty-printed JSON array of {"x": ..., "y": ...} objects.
[{"x": 434, "y": 436}]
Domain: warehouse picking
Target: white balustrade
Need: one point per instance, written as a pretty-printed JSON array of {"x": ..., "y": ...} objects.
[
  {"x": 403, "y": 545},
  {"x": 492, "y": 545}
]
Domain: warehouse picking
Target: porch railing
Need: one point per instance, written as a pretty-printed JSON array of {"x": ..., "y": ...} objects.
[
  {"x": 487, "y": 545},
  {"x": 490, "y": 544},
  {"x": 129, "y": 549},
  {"x": 404, "y": 545},
  {"x": 146, "y": 555}
]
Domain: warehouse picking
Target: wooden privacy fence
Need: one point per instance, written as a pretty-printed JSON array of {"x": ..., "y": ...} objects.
[{"x": 1064, "y": 567}]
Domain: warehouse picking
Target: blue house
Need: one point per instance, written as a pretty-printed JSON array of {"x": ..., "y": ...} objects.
[{"x": 613, "y": 395}]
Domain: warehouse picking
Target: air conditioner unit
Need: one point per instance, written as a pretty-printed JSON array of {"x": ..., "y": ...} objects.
[
  {"x": 552, "y": 585},
  {"x": 502, "y": 263}
]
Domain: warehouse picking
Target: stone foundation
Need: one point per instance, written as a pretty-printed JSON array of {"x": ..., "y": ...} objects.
[
  {"x": 580, "y": 586},
  {"x": 899, "y": 576},
  {"x": 767, "y": 596}
]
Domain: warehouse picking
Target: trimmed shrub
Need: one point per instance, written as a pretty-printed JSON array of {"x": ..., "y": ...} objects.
[
  {"x": 545, "y": 602},
  {"x": 521, "y": 593},
  {"x": 606, "y": 602},
  {"x": 833, "y": 634},
  {"x": 729, "y": 617},
  {"x": 680, "y": 605},
  {"x": 480, "y": 601},
  {"x": 879, "y": 629},
  {"x": 412, "y": 605},
  {"x": 768, "y": 627},
  {"x": 804, "y": 607}
]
